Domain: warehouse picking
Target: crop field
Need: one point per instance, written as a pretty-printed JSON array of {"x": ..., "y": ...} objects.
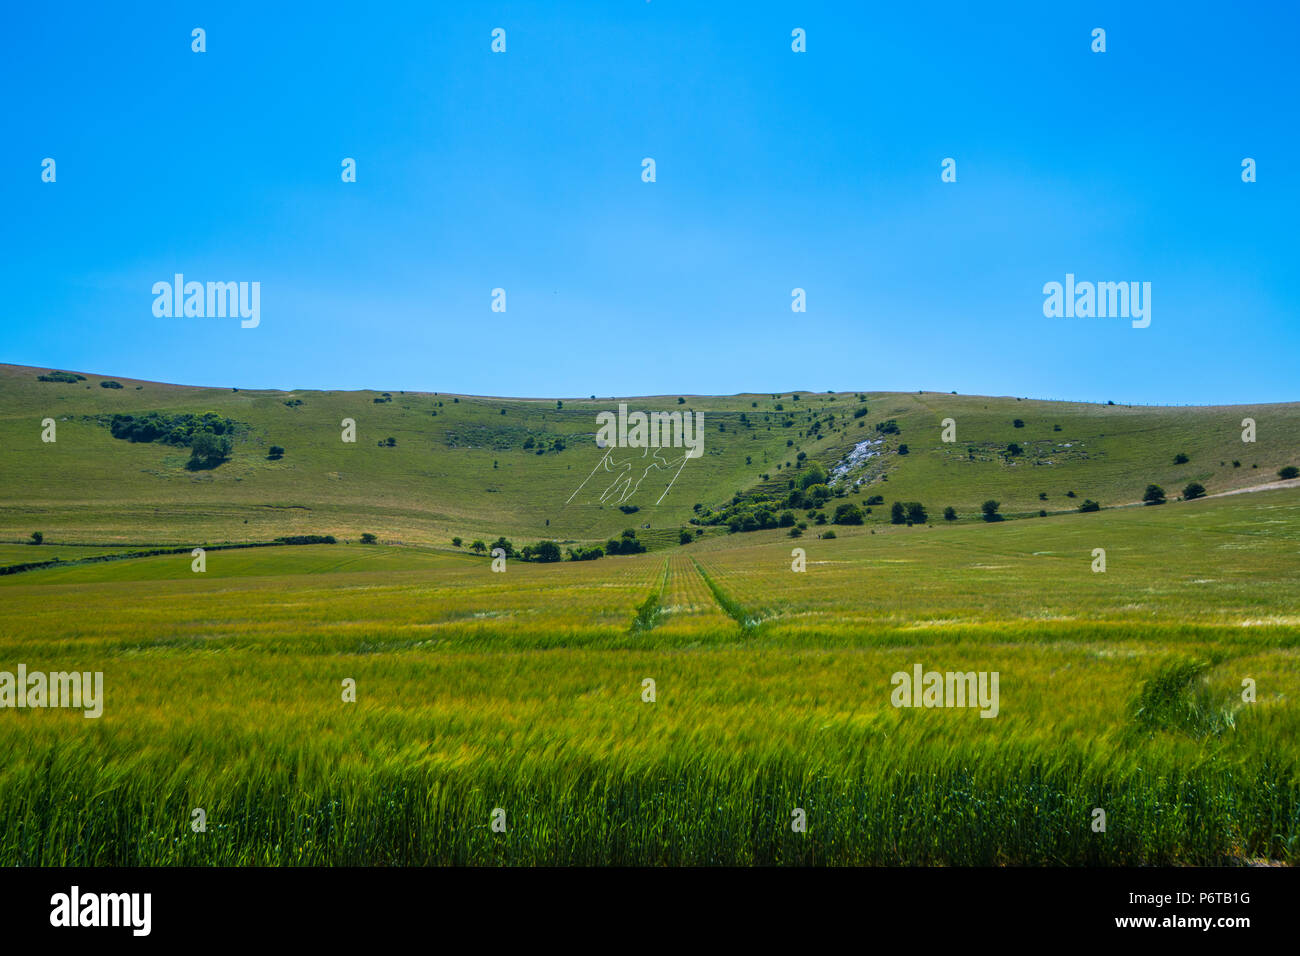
[{"x": 525, "y": 694}]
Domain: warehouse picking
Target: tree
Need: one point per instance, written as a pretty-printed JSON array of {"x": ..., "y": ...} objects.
[
  {"x": 1013, "y": 449},
  {"x": 546, "y": 552},
  {"x": 1155, "y": 495},
  {"x": 1289, "y": 472},
  {"x": 209, "y": 449},
  {"x": 1193, "y": 491},
  {"x": 1180, "y": 459},
  {"x": 1089, "y": 505},
  {"x": 897, "y": 513},
  {"x": 950, "y": 513},
  {"x": 478, "y": 547},
  {"x": 455, "y": 542},
  {"x": 990, "y": 509},
  {"x": 276, "y": 453},
  {"x": 505, "y": 546},
  {"x": 903, "y": 449},
  {"x": 916, "y": 513},
  {"x": 37, "y": 537},
  {"x": 786, "y": 520},
  {"x": 1018, "y": 423},
  {"x": 368, "y": 538},
  {"x": 685, "y": 537},
  {"x": 847, "y": 513}
]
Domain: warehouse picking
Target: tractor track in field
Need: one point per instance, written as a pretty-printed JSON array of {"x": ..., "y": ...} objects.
[
  {"x": 749, "y": 621},
  {"x": 649, "y": 611}
]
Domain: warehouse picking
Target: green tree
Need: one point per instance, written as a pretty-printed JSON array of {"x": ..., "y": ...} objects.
[
  {"x": 1193, "y": 491},
  {"x": 990, "y": 509},
  {"x": 1155, "y": 495},
  {"x": 950, "y": 513},
  {"x": 1289, "y": 472},
  {"x": 897, "y": 513},
  {"x": 847, "y": 513}
]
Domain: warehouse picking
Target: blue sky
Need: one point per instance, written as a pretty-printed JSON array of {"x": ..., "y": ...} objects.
[{"x": 775, "y": 170}]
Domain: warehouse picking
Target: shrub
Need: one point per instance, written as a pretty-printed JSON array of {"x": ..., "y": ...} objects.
[
  {"x": 897, "y": 513},
  {"x": 546, "y": 552},
  {"x": 990, "y": 509},
  {"x": 1154, "y": 495},
  {"x": 795, "y": 532},
  {"x": 586, "y": 554},
  {"x": 916, "y": 512},
  {"x": 37, "y": 537},
  {"x": 1289, "y": 472},
  {"x": 828, "y": 534},
  {"x": 306, "y": 539},
  {"x": 1193, "y": 491},
  {"x": 903, "y": 450},
  {"x": 876, "y": 500},
  {"x": 209, "y": 449},
  {"x": 950, "y": 513},
  {"x": 478, "y": 547},
  {"x": 629, "y": 509},
  {"x": 68, "y": 377},
  {"x": 1089, "y": 505},
  {"x": 456, "y": 542},
  {"x": 685, "y": 537},
  {"x": 1013, "y": 449},
  {"x": 368, "y": 538},
  {"x": 1018, "y": 423},
  {"x": 109, "y": 383},
  {"x": 276, "y": 453},
  {"x": 845, "y": 514},
  {"x": 1180, "y": 459}
]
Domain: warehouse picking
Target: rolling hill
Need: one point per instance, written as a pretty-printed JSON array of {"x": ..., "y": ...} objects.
[{"x": 478, "y": 467}]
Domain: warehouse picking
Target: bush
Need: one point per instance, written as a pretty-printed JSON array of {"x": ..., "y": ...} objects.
[
  {"x": 876, "y": 500},
  {"x": 903, "y": 450},
  {"x": 37, "y": 537},
  {"x": 1289, "y": 472},
  {"x": 276, "y": 453},
  {"x": 828, "y": 534},
  {"x": 586, "y": 554},
  {"x": 1154, "y": 495},
  {"x": 1013, "y": 449},
  {"x": 627, "y": 544},
  {"x": 109, "y": 383},
  {"x": 814, "y": 475},
  {"x": 478, "y": 547},
  {"x": 368, "y": 538},
  {"x": 1180, "y": 459},
  {"x": 1089, "y": 505},
  {"x": 685, "y": 537},
  {"x": 546, "y": 552},
  {"x": 306, "y": 539},
  {"x": 67, "y": 377},
  {"x": 897, "y": 513},
  {"x": 504, "y": 545},
  {"x": 1018, "y": 423},
  {"x": 795, "y": 532},
  {"x": 845, "y": 514},
  {"x": 990, "y": 509},
  {"x": 1193, "y": 491},
  {"x": 628, "y": 509},
  {"x": 208, "y": 449},
  {"x": 950, "y": 513},
  {"x": 456, "y": 542},
  {"x": 916, "y": 512}
]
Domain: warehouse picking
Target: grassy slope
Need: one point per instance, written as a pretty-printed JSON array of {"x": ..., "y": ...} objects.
[{"x": 440, "y": 481}]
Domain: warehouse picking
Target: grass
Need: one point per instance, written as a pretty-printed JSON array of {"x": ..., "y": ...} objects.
[{"x": 522, "y": 691}]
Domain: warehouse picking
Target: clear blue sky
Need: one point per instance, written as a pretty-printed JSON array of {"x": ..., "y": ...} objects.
[{"x": 775, "y": 170}]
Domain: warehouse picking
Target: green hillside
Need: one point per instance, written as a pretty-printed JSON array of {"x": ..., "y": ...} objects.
[{"x": 478, "y": 467}]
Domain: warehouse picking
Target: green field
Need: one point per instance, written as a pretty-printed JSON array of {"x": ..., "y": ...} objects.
[{"x": 523, "y": 690}]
